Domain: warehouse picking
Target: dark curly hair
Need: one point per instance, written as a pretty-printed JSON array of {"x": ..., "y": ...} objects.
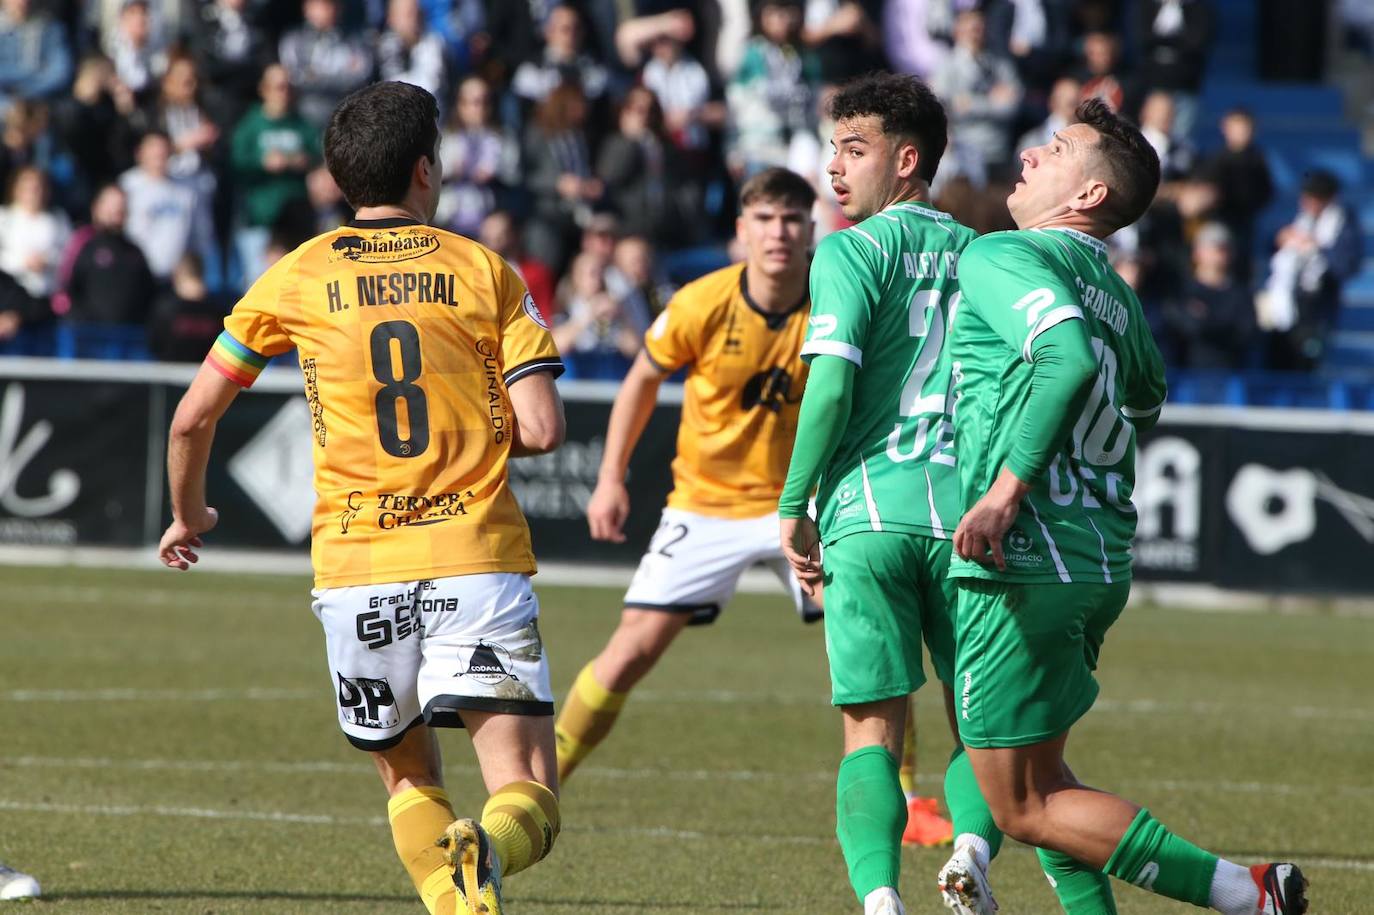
[
  {"x": 374, "y": 139},
  {"x": 1129, "y": 164},
  {"x": 905, "y": 107}
]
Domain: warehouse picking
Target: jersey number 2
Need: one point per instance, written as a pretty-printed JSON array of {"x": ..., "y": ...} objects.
[{"x": 395, "y": 390}]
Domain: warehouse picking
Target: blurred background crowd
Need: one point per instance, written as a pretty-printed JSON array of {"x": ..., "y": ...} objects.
[{"x": 157, "y": 155}]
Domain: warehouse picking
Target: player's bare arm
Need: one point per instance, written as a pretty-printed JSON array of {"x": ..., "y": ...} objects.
[
  {"x": 634, "y": 404},
  {"x": 540, "y": 426},
  {"x": 188, "y": 453}
]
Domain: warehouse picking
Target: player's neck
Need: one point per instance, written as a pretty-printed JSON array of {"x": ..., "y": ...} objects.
[
  {"x": 774, "y": 294},
  {"x": 390, "y": 211},
  {"x": 1073, "y": 219},
  {"x": 919, "y": 192}
]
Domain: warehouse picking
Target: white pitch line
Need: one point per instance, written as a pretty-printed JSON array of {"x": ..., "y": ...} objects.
[
  {"x": 362, "y": 769},
  {"x": 818, "y": 700},
  {"x": 676, "y": 835}
]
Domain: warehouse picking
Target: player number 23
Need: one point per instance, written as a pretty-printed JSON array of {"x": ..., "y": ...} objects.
[{"x": 396, "y": 364}]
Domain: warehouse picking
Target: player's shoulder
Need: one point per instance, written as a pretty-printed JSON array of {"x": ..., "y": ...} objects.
[{"x": 712, "y": 292}]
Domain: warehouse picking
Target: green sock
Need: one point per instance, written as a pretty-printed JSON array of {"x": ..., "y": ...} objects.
[
  {"x": 1155, "y": 859},
  {"x": 1081, "y": 890},
  {"x": 967, "y": 808},
  {"x": 870, "y": 813}
]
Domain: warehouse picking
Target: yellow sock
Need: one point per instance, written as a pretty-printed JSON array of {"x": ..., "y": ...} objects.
[
  {"x": 586, "y": 719},
  {"x": 418, "y": 818},
  {"x": 906, "y": 773},
  {"x": 522, "y": 820}
]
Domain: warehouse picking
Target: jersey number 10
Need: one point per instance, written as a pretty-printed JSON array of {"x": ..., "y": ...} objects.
[{"x": 395, "y": 390}]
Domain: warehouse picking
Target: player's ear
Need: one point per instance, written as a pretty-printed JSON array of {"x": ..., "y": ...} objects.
[
  {"x": 908, "y": 160},
  {"x": 1092, "y": 195}
]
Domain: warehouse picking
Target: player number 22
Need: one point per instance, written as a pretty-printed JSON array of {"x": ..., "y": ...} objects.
[{"x": 394, "y": 390}]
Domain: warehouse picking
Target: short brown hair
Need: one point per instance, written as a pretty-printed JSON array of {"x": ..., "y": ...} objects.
[
  {"x": 1128, "y": 163},
  {"x": 778, "y": 184},
  {"x": 374, "y": 138}
]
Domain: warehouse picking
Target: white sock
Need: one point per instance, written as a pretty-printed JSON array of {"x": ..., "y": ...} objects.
[
  {"x": 982, "y": 854},
  {"x": 883, "y": 901},
  {"x": 1233, "y": 889}
]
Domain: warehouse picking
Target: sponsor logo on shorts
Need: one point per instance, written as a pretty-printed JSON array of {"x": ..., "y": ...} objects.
[
  {"x": 489, "y": 663},
  {"x": 367, "y": 702},
  {"x": 968, "y": 688},
  {"x": 396, "y": 617}
]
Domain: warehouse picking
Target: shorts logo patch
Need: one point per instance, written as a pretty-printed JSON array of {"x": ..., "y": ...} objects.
[
  {"x": 367, "y": 702},
  {"x": 489, "y": 663}
]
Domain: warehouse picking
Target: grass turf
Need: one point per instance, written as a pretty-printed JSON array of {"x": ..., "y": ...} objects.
[{"x": 170, "y": 746}]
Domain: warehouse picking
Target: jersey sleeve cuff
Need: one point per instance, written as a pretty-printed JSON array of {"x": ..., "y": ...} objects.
[
  {"x": 552, "y": 366},
  {"x": 235, "y": 361},
  {"x": 833, "y": 348},
  {"x": 1133, "y": 413},
  {"x": 1048, "y": 320}
]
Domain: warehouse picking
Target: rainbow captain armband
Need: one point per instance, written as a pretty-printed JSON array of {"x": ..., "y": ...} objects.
[{"x": 235, "y": 361}]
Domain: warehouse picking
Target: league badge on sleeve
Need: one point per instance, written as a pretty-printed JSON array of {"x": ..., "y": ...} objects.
[{"x": 533, "y": 312}]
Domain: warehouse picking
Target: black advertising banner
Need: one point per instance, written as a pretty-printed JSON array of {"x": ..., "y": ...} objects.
[
  {"x": 1278, "y": 501},
  {"x": 554, "y": 489},
  {"x": 73, "y": 462}
]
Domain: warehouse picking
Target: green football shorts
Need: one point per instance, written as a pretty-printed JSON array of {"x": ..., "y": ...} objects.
[
  {"x": 1026, "y": 655},
  {"x": 884, "y": 590}
]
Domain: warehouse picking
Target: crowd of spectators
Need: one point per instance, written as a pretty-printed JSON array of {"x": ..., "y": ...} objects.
[{"x": 596, "y": 146}]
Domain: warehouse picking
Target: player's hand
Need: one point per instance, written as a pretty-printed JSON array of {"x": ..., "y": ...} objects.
[
  {"x": 179, "y": 543},
  {"x": 607, "y": 511},
  {"x": 801, "y": 546},
  {"x": 979, "y": 534}
]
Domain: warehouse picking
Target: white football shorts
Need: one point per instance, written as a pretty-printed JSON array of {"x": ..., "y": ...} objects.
[
  {"x": 694, "y": 562},
  {"x": 424, "y": 651}
]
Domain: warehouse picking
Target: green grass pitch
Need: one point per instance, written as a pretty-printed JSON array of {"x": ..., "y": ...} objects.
[{"x": 168, "y": 745}]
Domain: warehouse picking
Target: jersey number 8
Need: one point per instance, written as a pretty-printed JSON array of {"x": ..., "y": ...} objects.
[{"x": 394, "y": 390}]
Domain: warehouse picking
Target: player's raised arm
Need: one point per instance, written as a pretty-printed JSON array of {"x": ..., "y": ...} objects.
[
  {"x": 634, "y": 404},
  {"x": 540, "y": 426},
  {"x": 188, "y": 454}
]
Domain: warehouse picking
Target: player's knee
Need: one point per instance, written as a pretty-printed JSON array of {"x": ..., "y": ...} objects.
[
  {"x": 636, "y": 646},
  {"x": 1016, "y": 820}
]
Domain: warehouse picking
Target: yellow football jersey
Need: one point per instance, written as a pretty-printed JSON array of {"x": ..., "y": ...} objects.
[
  {"x": 408, "y": 337},
  {"x": 742, "y": 396}
]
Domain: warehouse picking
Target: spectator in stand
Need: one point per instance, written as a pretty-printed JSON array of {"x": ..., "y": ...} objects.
[
  {"x": 177, "y": 112},
  {"x": 232, "y": 50},
  {"x": 1244, "y": 185},
  {"x": 1063, "y": 102},
  {"x": 1100, "y": 75},
  {"x": 35, "y": 62},
  {"x": 92, "y": 127},
  {"x": 500, "y": 233},
  {"x": 1038, "y": 38},
  {"x": 633, "y": 278},
  {"x": 479, "y": 158},
  {"x": 25, "y": 139},
  {"x": 558, "y": 174},
  {"x": 324, "y": 63},
  {"x": 18, "y": 310},
  {"x": 982, "y": 93},
  {"x": 683, "y": 89},
  {"x": 1171, "y": 47},
  {"x": 912, "y": 31},
  {"x": 595, "y": 332},
  {"x": 1211, "y": 324},
  {"x": 599, "y": 235},
  {"x": 187, "y": 317},
  {"x": 106, "y": 279},
  {"x": 138, "y": 49},
  {"x": 32, "y": 234},
  {"x": 844, "y": 36},
  {"x": 411, "y": 51},
  {"x": 636, "y": 35},
  {"x": 463, "y": 26},
  {"x": 637, "y": 167},
  {"x": 773, "y": 95},
  {"x": 1316, "y": 254},
  {"x": 273, "y": 149},
  {"x": 167, "y": 217},
  {"x": 1176, "y": 154},
  {"x": 563, "y": 61}
]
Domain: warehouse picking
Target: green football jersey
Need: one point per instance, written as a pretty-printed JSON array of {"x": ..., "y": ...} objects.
[
  {"x": 1077, "y": 522},
  {"x": 882, "y": 295}
]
